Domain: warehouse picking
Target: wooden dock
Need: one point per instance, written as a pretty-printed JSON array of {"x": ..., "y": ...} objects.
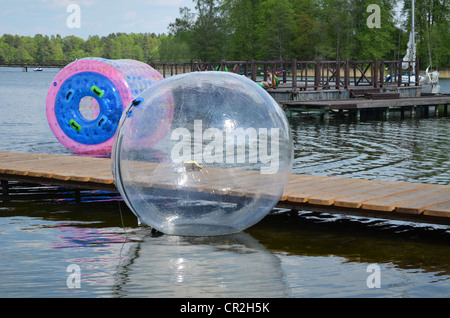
[
  {"x": 415, "y": 202},
  {"x": 375, "y": 101},
  {"x": 354, "y": 103}
]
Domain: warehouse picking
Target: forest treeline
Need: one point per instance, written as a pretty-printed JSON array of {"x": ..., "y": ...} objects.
[{"x": 263, "y": 29}]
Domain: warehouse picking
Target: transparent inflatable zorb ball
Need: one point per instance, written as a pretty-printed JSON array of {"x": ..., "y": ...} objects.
[{"x": 202, "y": 154}]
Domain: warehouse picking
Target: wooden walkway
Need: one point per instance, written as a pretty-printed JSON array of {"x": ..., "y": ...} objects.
[
  {"x": 380, "y": 199},
  {"x": 354, "y": 103}
]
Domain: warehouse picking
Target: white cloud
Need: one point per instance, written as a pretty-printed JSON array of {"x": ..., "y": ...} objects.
[{"x": 130, "y": 15}]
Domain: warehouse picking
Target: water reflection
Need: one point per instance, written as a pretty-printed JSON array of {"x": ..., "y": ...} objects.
[
  {"x": 357, "y": 239},
  {"x": 306, "y": 255},
  {"x": 224, "y": 266}
]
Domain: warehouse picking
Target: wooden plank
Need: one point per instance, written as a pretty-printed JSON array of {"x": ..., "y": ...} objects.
[
  {"x": 389, "y": 203},
  {"x": 440, "y": 210},
  {"x": 306, "y": 196},
  {"x": 80, "y": 172},
  {"x": 420, "y": 204},
  {"x": 62, "y": 169},
  {"x": 19, "y": 163},
  {"x": 382, "y": 96},
  {"x": 298, "y": 183},
  {"x": 331, "y": 197},
  {"x": 106, "y": 178},
  {"x": 357, "y": 200},
  {"x": 301, "y": 194},
  {"x": 23, "y": 167}
]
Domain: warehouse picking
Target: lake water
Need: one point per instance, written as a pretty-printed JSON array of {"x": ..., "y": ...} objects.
[{"x": 50, "y": 234}]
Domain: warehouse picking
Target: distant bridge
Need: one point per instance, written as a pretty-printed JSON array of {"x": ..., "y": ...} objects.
[{"x": 26, "y": 65}]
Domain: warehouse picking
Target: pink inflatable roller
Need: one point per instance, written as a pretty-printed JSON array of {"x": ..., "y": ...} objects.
[{"x": 86, "y": 100}]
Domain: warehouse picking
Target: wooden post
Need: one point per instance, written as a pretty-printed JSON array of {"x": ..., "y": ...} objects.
[
  {"x": 192, "y": 66},
  {"x": 253, "y": 68},
  {"x": 317, "y": 75},
  {"x": 399, "y": 74},
  {"x": 326, "y": 115},
  {"x": 284, "y": 71},
  {"x": 265, "y": 70},
  {"x": 5, "y": 188},
  {"x": 426, "y": 110},
  {"x": 416, "y": 71},
  {"x": 347, "y": 74},
  {"x": 164, "y": 70},
  {"x": 386, "y": 113},
  {"x": 413, "y": 111},
  {"x": 382, "y": 74},
  {"x": 246, "y": 68},
  {"x": 306, "y": 76},
  {"x": 338, "y": 75},
  {"x": 222, "y": 65},
  {"x": 375, "y": 73},
  {"x": 294, "y": 75}
]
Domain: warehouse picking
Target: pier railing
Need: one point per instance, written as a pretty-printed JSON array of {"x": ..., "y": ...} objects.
[
  {"x": 303, "y": 75},
  {"x": 293, "y": 74}
]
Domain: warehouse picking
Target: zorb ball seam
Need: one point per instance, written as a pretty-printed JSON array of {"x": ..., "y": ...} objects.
[
  {"x": 87, "y": 97},
  {"x": 202, "y": 154}
]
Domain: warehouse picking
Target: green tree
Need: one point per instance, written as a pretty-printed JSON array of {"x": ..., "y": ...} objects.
[
  {"x": 276, "y": 21},
  {"x": 306, "y": 30},
  {"x": 204, "y": 30},
  {"x": 375, "y": 43},
  {"x": 243, "y": 36}
]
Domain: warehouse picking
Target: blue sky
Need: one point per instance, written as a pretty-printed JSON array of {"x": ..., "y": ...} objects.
[{"x": 97, "y": 17}]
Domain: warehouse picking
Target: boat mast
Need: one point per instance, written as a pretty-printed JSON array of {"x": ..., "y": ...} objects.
[{"x": 413, "y": 35}]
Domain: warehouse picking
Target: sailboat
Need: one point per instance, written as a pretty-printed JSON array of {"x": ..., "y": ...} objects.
[{"x": 429, "y": 81}]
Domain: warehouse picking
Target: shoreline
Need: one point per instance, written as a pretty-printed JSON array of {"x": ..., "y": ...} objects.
[{"x": 443, "y": 73}]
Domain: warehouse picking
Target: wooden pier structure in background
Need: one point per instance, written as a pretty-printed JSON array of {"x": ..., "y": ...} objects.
[
  {"x": 297, "y": 75},
  {"x": 318, "y": 87},
  {"x": 416, "y": 202},
  {"x": 380, "y": 102}
]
